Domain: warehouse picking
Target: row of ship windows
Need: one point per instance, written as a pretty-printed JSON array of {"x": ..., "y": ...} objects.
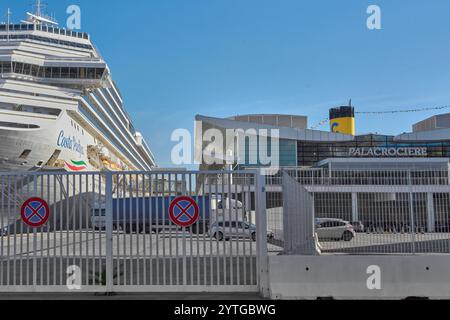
[
  {"x": 45, "y": 28},
  {"x": 18, "y": 125},
  {"x": 30, "y": 109},
  {"x": 51, "y": 72},
  {"x": 44, "y": 39},
  {"x": 31, "y": 94}
]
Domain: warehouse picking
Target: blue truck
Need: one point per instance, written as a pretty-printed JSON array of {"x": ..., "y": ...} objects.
[{"x": 149, "y": 214}]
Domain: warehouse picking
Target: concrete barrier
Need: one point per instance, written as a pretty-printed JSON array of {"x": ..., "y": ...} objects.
[{"x": 359, "y": 277}]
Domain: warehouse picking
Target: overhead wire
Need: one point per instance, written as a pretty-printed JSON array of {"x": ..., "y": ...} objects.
[{"x": 325, "y": 121}]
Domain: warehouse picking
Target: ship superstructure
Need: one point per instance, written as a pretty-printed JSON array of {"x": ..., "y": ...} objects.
[{"x": 59, "y": 106}]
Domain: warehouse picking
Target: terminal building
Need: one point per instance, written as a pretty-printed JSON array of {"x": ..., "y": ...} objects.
[
  {"x": 376, "y": 170},
  {"x": 299, "y": 146}
]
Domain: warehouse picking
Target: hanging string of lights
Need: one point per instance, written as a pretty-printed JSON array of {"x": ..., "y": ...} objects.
[
  {"x": 405, "y": 111},
  {"x": 321, "y": 123},
  {"x": 325, "y": 121}
]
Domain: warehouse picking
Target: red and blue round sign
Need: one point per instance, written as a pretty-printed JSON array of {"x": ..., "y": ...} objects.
[
  {"x": 184, "y": 211},
  {"x": 35, "y": 212}
]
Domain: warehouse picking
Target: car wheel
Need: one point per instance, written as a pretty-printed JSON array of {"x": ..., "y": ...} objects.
[
  {"x": 348, "y": 236},
  {"x": 218, "y": 236},
  {"x": 254, "y": 236}
]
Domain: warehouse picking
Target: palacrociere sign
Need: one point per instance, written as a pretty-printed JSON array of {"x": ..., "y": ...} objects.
[{"x": 388, "y": 152}]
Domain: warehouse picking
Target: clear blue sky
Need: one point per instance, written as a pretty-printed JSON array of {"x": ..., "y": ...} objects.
[{"x": 176, "y": 58}]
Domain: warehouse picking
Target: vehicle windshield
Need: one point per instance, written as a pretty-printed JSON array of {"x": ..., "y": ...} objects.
[{"x": 99, "y": 212}]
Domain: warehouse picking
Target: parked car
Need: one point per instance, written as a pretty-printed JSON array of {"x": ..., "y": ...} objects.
[
  {"x": 334, "y": 229},
  {"x": 223, "y": 230},
  {"x": 358, "y": 226}
]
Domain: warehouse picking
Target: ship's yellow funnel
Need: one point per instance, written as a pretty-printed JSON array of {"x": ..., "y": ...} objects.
[{"x": 342, "y": 120}]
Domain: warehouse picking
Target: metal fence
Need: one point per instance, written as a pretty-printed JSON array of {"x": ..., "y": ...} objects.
[
  {"x": 41, "y": 257},
  {"x": 362, "y": 211},
  {"x": 113, "y": 232}
]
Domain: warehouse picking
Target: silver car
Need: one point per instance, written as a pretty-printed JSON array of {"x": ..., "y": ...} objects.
[
  {"x": 334, "y": 229},
  {"x": 221, "y": 230}
]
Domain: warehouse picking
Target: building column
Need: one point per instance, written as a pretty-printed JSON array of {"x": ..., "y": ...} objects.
[
  {"x": 355, "y": 212},
  {"x": 431, "y": 219}
]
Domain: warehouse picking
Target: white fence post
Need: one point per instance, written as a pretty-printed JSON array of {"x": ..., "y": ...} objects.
[
  {"x": 109, "y": 231},
  {"x": 411, "y": 213},
  {"x": 431, "y": 216},
  {"x": 355, "y": 211},
  {"x": 261, "y": 232}
]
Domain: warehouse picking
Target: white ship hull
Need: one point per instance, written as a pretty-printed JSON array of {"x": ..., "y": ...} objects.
[{"x": 42, "y": 143}]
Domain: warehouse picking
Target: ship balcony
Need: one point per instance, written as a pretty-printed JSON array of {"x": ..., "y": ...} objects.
[
  {"x": 84, "y": 83},
  {"x": 43, "y": 28},
  {"x": 58, "y": 71},
  {"x": 86, "y": 77}
]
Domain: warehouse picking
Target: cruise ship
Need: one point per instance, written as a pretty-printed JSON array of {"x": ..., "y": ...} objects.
[{"x": 60, "y": 109}]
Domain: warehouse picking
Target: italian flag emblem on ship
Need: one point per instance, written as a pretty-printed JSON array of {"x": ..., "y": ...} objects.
[{"x": 76, "y": 165}]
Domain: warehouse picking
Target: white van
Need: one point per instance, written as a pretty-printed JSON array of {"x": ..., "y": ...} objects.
[{"x": 227, "y": 209}]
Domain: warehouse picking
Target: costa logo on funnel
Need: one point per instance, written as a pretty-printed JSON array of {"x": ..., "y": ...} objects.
[{"x": 334, "y": 126}]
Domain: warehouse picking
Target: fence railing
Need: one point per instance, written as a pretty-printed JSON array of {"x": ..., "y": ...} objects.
[
  {"x": 131, "y": 231},
  {"x": 365, "y": 211},
  {"x": 363, "y": 177}
]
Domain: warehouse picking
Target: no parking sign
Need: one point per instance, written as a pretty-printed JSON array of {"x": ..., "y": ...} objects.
[
  {"x": 184, "y": 211},
  {"x": 35, "y": 212}
]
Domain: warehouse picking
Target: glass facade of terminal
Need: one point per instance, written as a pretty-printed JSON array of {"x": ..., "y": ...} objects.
[
  {"x": 287, "y": 150},
  {"x": 293, "y": 153},
  {"x": 373, "y": 146}
]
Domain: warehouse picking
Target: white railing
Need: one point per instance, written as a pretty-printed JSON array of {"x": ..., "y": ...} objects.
[{"x": 366, "y": 211}]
